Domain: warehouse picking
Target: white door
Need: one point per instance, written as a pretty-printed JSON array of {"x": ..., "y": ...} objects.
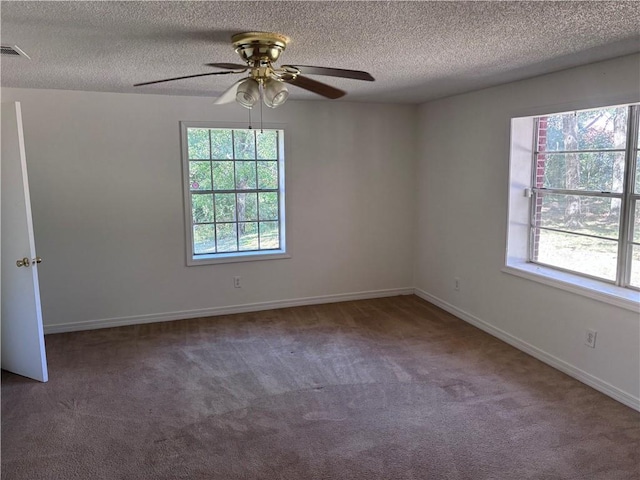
[{"x": 22, "y": 334}]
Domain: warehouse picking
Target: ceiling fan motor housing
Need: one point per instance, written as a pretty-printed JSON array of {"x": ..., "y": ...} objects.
[{"x": 259, "y": 48}]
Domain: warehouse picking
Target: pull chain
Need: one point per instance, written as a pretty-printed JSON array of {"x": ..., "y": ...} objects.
[{"x": 261, "y": 102}]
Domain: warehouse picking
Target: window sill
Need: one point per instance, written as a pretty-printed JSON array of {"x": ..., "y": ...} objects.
[
  {"x": 587, "y": 287},
  {"x": 236, "y": 257}
]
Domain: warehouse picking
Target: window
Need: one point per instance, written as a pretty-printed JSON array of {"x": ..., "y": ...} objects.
[
  {"x": 234, "y": 193},
  {"x": 580, "y": 193}
]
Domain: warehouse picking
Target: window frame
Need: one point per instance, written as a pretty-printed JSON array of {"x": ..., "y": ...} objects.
[
  {"x": 521, "y": 210},
  {"x": 625, "y": 229},
  {"x": 238, "y": 256}
]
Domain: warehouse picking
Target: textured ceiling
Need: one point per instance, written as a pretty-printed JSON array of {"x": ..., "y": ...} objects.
[{"x": 417, "y": 51}]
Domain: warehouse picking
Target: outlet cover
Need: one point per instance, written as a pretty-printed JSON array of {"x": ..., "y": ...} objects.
[{"x": 590, "y": 338}]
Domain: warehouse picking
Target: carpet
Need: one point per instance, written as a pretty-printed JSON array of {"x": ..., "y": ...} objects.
[{"x": 390, "y": 388}]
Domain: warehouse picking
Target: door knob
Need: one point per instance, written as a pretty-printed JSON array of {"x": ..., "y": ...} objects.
[{"x": 25, "y": 262}]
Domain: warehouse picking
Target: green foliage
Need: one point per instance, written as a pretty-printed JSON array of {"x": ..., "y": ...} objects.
[
  {"x": 597, "y": 217},
  {"x": 202, "y": 205},
  {"x": 267, "y": 141},
  {"x": 268, "y": 203},
  {"x": 245, "y": 175},
  {"x": 221, "y": 144},
  {"x": 247, "y": 207},
  {"x": 637, "y": 189},
  {"x": 596, "y": 170},
  {"x": 200, "y": 175},
  {"x": 596, "y": 131},
  {"x": 225, "y": 207},
  {"x": 223, "y": 175},
  {"x": 636, "y": 225},
  {"x": 268, "y": 174},
  {"x": 198, "y": 143},
  {"x": 245, "y": 144},
  {"x": 223, "y": 159}
]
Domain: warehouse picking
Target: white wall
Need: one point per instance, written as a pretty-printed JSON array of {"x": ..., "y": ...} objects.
[
  {"x": 105, "y": 174},
  {"x": 462, "y": 219}
]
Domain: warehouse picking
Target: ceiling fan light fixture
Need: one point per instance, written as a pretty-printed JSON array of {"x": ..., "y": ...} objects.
[
  {"x": 266, "y": 82},
  {"x": 248, "y": 93},
  {"x": 275, "y": 93}
]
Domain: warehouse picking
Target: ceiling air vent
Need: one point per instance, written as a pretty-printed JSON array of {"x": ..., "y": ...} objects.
[{"x": 13, "y": 51}]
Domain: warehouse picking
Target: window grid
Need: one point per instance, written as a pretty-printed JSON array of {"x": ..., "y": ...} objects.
[
  {"x": 258, "y": 222},
  {"x": 235, "y": 183},
  {"x": 255, "y": 139},
  {"x": 628, "y": 198},
  {"x": 278, "y": 177},
  {"x": 213, "y": 197}
]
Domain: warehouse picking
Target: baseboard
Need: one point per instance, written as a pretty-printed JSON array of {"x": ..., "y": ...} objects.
[
  {"x": 594, "y": 382},
  {"x": 227, "y": 310}
]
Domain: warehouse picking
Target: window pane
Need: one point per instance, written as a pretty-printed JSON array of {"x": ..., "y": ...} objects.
[
  {"x": 198, "y": 143},
  {"x": 247, "y": 206},
  {"x": 597, "y": 216},
  {"x": 587, "y": 255},
  {"x": 637, "y": 172},
  {"x": 225, "y": 207},
  {"x": 268, "y": 203},
  {"x": 269, "y": 235},
  {"x": 636, "y": 223},
  {"x": 202, "y": 208},
  {"x": 226, "y": 237},
  {"x": 204, "y": 240},
  {"x": 268, "y": 174},
  {"x": 245, "y": 144},
  {"x": 600, "y": 172},
  {"x": 224, "y": 165},
  {"x": 635, "y": 267},
  {"x": 221, "y": 145},
  {"x": 245, "y": 175},
  {"x": 200, "y": 175},
  {"x": 267, "y": 145},
  {"x": 604, "y": 128},
  {"x": 248, "y": 236},
  {"x": 223, "y": 176}
]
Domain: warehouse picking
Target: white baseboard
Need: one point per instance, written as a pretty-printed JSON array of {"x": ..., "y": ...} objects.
[
  {"x": 215, "y": 311},
  {"x": 555, "y": 362}
]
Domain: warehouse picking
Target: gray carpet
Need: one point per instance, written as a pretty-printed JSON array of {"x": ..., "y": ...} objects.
[{"x": 388, "y": 388}]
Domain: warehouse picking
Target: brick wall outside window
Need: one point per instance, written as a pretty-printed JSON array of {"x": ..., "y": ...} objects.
[{"x": 539, "y": 183}]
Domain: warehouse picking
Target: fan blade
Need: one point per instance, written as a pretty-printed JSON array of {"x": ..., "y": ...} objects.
[
  {"x": 316, "y": 87},
  {"x": 332, "y": 72},
  {"x": 181, "y": 78},
  {"x": 228, "y": 66},
  {"x": 230, "y": 93}
]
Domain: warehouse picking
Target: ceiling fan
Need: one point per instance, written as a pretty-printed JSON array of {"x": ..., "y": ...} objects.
[{"x": 260, "y": 50}]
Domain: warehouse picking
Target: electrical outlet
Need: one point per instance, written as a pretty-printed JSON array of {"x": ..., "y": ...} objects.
[
  {"x": 456, "y": 284},
  {"x": 236, "y": 282},
  {"x": 590, "y": 338}
]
